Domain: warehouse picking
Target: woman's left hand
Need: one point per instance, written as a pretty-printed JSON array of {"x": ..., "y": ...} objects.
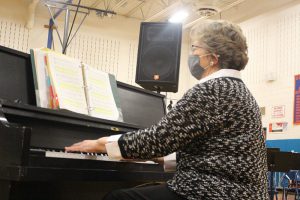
[{"x": 89, "y": 146}]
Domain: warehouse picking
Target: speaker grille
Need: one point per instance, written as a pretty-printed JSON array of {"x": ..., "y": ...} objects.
[
  {"x": 155, "y": 61},
  {"x": 159, "y": 56}
]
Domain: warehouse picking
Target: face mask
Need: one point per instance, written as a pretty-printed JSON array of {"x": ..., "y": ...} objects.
[{"x": 195, "y": 67}]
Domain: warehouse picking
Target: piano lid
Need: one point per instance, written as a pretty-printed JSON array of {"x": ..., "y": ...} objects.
[{"x": 16, "y": 77}]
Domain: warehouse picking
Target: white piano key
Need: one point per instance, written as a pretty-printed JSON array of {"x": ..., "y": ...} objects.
[
  {"x": 87, "y": 156},
  {"x": 69, "y": 155}
]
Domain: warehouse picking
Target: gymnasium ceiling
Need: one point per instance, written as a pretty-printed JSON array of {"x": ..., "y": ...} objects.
[{"x": 161, "y": 10}]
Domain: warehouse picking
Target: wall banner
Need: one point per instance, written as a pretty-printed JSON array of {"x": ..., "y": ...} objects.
[{"x": 297, "y": 100}]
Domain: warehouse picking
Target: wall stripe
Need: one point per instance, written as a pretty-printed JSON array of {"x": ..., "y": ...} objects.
[{"x": 285, "y": 145}]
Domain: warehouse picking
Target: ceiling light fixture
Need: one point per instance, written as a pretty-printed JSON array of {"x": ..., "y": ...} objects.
[
  {"x": 206, "y": 11},
  {"x": 179, "y": 16}
]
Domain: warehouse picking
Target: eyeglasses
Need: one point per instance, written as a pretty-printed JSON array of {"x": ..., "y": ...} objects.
[{"x": 194, "y": 47}]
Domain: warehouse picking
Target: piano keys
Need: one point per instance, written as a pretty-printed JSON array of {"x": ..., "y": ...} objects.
[{"x": 48, "y": 153}]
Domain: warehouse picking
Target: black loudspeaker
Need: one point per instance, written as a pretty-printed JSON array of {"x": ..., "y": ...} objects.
[{"x": 159, "y": 56}]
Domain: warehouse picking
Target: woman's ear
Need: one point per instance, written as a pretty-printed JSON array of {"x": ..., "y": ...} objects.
[{"x": 215, "y": 59}]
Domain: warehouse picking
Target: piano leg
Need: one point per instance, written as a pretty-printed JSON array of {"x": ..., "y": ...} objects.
[{"x": 4, "y": 189}]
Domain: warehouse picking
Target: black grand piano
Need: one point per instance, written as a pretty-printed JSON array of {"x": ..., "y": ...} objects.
[{"x": 33, "y": 164}]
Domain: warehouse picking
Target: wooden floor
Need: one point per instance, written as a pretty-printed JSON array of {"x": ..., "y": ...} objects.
[{"x": 290, "y": 197}]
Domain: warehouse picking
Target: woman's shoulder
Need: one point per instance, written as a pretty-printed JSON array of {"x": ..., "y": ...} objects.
[
  {"x": 220, "y": 83},
  {"x": 214, "y": 88}
]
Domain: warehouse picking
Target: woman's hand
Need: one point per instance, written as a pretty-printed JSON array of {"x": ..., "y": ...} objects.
[
  {"x": 159, "y": 160},
  {"x": 90, "y": 146}
]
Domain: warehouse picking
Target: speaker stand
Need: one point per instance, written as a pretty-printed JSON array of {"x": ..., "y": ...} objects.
[{"x": 158, "y": 90}]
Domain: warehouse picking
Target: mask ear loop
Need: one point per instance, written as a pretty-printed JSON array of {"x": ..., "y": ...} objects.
[
  {"x": 217, "y": 59},
  {"x": 211, "y": 63}
]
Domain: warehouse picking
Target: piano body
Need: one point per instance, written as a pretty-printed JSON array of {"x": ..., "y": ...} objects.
[{"x": 33, "y": 164}]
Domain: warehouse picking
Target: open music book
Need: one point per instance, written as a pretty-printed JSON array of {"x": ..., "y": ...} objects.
[{"x": 67, "y": 83}]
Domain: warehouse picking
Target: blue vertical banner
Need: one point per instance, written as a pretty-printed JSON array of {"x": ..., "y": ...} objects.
[{"x": 297, "y": 100}]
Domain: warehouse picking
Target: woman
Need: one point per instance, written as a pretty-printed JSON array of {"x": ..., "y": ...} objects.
[{"x": 215, "y": 129}]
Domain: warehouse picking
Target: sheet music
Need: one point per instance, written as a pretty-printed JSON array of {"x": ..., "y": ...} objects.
[
  {"x": 66, "y": 75},
  {"x": 99, "y": 94},
  {"x": 40, "y": 75}
]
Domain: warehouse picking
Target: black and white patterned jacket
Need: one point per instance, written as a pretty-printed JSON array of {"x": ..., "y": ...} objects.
[{"x": 216, "y": 131}]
